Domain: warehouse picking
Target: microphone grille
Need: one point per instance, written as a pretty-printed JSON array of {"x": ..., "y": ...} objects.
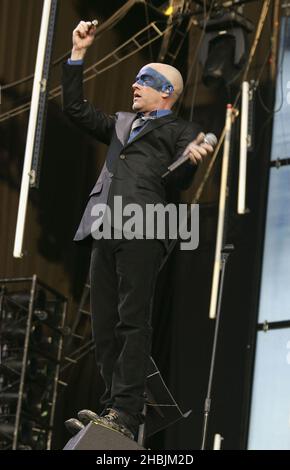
[{"x": 210, "y": 139}]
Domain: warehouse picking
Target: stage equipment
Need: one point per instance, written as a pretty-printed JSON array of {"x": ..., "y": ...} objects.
[
  {"x": 224, "y": 49},
  {"x": 246, "y": 142},
  {"x": 222, "y": 213},
  {"x": 32, "y": 319},
  {"x": 161, "y": 410},
  {"x": 222, "y": 253},
  {"x": 217, "y": 445},
  {"x": 174, "y": 12},
  {"x": 98, "y": 437},
  {"x": 36, "y": 117},
  {"x": 42, "y": 105}
]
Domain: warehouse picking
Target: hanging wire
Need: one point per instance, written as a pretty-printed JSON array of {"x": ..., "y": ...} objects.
[
  {"x": 112, "y": 21},
  {"x": 120, "y": 13},
  {"x": 272, "y": 112},
  {"x": 104, "y": 27},
  {"x": 263, "y": 15},
  {"x": 55, "y": 92},
  {"x": 281, "y": 76},
  {"x": 147, "y": 22},
  {"x": 205, "y": 19},
  {"x": 195, "y": 58}
]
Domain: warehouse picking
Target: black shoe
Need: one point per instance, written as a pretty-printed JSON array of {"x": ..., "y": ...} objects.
[
  {"x": 73, "y": 426},
  {"x": 86, "y": 416},
  {"x": 120, "y": 421}
]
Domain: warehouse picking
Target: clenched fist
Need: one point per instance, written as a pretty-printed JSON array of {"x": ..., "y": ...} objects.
[
  {"x": 82, "y": 38},
  {"x": 198, "y": 149}
]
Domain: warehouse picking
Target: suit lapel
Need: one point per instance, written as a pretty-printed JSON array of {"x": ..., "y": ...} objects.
[
  {"x": 123, "y": 126},
  {"x": 149, "y": 126}
]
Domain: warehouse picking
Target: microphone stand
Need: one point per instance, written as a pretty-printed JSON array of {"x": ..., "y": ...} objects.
[
  {"x": 221, "y": 257},
  {"x": 207, "y": 404},
  {"x": 222, "y": 252}
]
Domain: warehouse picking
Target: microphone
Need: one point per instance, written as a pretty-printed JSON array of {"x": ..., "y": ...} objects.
[
  {"x": 94, "y": 23},
  {"x": 208, "y": 139}
]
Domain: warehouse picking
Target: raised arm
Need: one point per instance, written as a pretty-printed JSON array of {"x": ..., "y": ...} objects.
[{"x": 79, "y": 110}]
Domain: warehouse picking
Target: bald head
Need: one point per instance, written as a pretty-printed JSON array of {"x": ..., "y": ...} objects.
[
  {"x": 172, "y": 74},
  {"x": 157, "y": 87}
]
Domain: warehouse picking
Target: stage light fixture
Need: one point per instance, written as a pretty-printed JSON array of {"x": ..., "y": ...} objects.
[
  {"x": 224, "y": 48},
  {"x": 169, "y": 11}
]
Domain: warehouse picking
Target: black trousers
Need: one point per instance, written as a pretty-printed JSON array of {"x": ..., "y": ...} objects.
[{"x": 123, "y": 276}]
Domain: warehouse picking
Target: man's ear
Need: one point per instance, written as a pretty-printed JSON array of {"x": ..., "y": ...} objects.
[{"x": 168, "y": 89}]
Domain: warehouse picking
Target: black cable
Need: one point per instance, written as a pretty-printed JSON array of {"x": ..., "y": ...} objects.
[
  {"x": 106, "y": 26},
  {"x": 280, "y": 71},
  {"x": 197, "y": 69},
  {"x": 147, "y": 21},
  {"x": 194, "y": 59}
]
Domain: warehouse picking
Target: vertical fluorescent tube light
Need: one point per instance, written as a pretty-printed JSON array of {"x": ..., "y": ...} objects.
[
  {"x": 243, "y": 149},
  {"x": 24, "y": 191},
  {"x": 221, "y": 215}
]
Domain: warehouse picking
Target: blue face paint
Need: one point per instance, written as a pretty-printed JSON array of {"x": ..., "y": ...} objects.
[{"x": 151, "y": 78}]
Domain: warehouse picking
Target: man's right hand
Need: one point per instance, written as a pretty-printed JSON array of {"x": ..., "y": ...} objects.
[{"x": 82, "y": 38}]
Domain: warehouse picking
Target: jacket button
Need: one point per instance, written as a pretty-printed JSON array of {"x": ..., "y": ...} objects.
[{"x": 122, "y": 156}]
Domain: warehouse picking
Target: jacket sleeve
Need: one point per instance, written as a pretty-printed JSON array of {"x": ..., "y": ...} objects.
[
  {"x": 80, "y": 111},
  {"x": 184, "y": 174}
]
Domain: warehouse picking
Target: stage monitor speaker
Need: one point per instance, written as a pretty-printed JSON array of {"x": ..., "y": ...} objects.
[{"x": 98, "y": 437}]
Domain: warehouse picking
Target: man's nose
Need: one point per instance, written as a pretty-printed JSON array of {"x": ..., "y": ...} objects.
[{"x": 136, "y": 86}]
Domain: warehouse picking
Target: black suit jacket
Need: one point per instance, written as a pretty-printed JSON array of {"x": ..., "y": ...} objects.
[{"x": 132, "y": 170}]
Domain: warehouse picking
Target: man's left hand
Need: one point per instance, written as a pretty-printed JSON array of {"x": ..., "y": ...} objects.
[{"x": 197, "y": 150}]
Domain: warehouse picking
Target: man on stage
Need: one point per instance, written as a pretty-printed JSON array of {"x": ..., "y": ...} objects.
[{"x": 123, "y": 270}]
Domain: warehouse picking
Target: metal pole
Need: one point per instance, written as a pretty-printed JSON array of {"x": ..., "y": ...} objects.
[
  {"x": 56, "y": 378},
  {"x": 37, "y": 85},
  {"x": 207, "y": 404},
  {"x": 24, "y": 362},
  {"x": 222, "y": 213}
]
